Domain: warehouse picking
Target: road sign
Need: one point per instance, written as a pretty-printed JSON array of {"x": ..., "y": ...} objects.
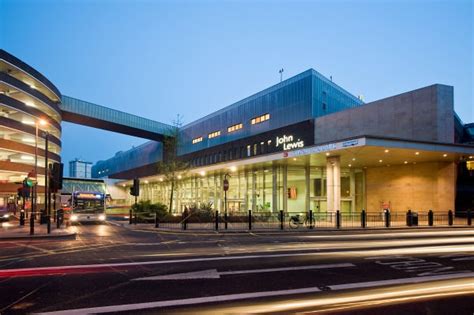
[{"x": 226, "y": 185}]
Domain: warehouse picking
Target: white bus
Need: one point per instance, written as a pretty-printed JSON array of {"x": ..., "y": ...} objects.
[{"x": 87, "y": 207}]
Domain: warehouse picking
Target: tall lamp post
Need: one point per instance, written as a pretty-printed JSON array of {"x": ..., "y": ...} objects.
[{"x": 34, "y": 204}]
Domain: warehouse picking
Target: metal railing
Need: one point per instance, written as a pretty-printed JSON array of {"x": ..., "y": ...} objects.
[{"x": 267, "y": 220}]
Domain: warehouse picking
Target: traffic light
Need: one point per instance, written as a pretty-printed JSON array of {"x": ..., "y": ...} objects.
[
  {"x": 25, "y": 190},
  {"x": 56, "y": 178},
  {"x": 135, "y": 189}
]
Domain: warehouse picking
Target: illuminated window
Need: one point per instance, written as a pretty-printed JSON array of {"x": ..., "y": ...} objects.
[
  {"x": 260, "y": 119},
  {"x": 214, "y": 134},
  {"x": 197, "y": 140},
  {"x": 235, "y": 128},
  {"x": 470, "y": 165}
]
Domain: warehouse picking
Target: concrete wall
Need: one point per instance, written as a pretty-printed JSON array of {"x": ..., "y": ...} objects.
[
  {"x": 419, "y": 187},
  {"x": 425, "y": 114}
]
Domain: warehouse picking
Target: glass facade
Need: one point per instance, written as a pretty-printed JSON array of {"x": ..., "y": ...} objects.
[{"x": 271, "y": 187}]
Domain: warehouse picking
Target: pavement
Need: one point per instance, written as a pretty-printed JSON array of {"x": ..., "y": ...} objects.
[
  {"x": 13, "y": 231},
  {"x": 113, "y": 269}
]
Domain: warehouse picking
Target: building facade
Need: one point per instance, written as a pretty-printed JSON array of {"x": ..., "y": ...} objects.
[
  {"x": 26, "y": 99},
  {"x": 80, "y": 169},
  {"x": 306, "y": 143}
]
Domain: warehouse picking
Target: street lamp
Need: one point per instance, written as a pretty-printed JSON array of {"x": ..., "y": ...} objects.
[{"x": 44, "y": 123}]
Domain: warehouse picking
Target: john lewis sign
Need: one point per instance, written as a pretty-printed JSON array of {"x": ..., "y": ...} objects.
[{"x": 288, "y": 143}]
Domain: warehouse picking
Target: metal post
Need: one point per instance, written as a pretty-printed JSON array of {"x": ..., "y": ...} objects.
[
  {"x": 54, "y": 207},
  {"x": 225, "y": 214},
  {"x": 130, "y": 213},
  {"x": 225, "y": 207},
  {"x": 430, "y": 217},
  {"x": 469, "y": 217},
  {"x": 338, "y": 219},
  {"x": 387, "y": 218},
  {"x": 409, "y": 218},
  {"x": 46, "y": 175},
  {"x": 58, "y": 220},
  {"x": 450, "y": 217},
  {"x": 48, "y": 223},
  {"x": 217, "y": 220},
  {"x": 156, "y": 220},
  {"x": 363, "y": 219},
  {"x": 311, "y": 219},
  {"x": 282, "y": 219},
  {"x": 250, "y": 220},
  {"x": 22, "y": 217},
  {"x": 135, "y": 217}
]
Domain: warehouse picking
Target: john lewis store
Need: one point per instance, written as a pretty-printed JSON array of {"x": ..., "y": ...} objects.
[{"x": 402, "y": 152}]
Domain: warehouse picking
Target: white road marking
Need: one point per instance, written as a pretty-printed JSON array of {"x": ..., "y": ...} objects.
[
  {"x": 243, "y": 296},
  {"x": 418, "y": 250},
  {"x": 191, "y": 301},
  {"x": 214, "y": 274},
  {"x": 369, "y": 284}
]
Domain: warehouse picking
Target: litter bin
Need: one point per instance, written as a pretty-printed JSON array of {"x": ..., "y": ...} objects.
[{"x": 414, "y": 218}]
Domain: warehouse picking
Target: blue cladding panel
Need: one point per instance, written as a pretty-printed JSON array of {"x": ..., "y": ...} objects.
[
  {"x": 294, "y": 100},
  {"x": 147, "y": 153}
]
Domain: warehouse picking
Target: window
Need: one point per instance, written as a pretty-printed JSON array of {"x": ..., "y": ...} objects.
[
  {"x": 197, "y": 140},
  {"x": 260, "y": 119},
  {"x": 214, "y": 134},
  {"x": 235, "y": 128}
]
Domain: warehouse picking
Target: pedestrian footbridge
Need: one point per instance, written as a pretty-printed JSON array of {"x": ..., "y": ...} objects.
[{"x": 97, "y": 116}]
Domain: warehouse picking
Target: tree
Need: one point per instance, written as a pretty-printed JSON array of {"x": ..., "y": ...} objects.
[{"x": 172, "y": 167}]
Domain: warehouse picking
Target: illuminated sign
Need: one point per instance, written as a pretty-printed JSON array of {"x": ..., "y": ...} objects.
[
  {"x": 88, "y": 196},
  {"x": 326, "y": 147},
  {"x": 288, "y": 142}
]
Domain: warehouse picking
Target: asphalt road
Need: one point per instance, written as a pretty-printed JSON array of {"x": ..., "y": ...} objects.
[{"x": 111, "y": 269}]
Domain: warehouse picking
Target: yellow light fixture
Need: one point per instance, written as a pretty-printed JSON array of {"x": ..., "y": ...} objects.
[
  {"x": 328, "y": 153},
  {"x": 202, "y": 173},
  {"x": 417, "y": 153},
  {"x": 380, "y": 161},
  {"x": 386, "y": 151},
  {"x": 406, "y": 162},
  {"x": 445, "y": 155},
  {"x": 233, "y": 168}
]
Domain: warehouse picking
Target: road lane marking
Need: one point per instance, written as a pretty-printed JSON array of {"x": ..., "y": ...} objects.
[
  {"x": 190, "y": 301},
  {"x": 412, "y": 250},
  {"x": 378, "y": 283},
  {"x": 243, "y": 296},
  {"x": 214, "y": 274}
]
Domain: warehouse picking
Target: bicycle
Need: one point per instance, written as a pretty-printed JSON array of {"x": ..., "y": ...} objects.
[{"x": 296, "y": 221}]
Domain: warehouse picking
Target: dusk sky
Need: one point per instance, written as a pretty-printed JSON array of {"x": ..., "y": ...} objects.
[{"x": 158, "y": 59}]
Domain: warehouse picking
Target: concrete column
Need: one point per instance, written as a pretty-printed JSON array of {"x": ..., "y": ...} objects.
[
  {"x": 352, "y": 190},
  {"x": 285, "y": 187},
  {"x": 308, "y": 187},
  {"x": 337, "y": 183},
  {"x": 254, "y": 190},
  {"x": 329, "y": 186},
  {"x": 275, "y": 188}
]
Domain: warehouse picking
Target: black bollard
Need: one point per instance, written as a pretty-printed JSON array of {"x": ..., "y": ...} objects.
[
  {"x": 130, "y": 218},
  {"x": 282, "y": 219},
  {"x": 430, "y": 217},
  {"x": 217, "y": 220},
  {"x": 469, "y": 217},
  {"x": 338, "y": 219},
  {"x": 409, "y": 218},
  {"x": 156, "y": 220},
  {"x": 387, "y": 218},
  {"x": 48, "y": 223},
  {"x": 250, "y": 220},
  {"x": 311, "y": 219},
  {"x": 225, "y": 220},
  {"x": 450, "y": 217},
  {"x": 22, "y": 217},
  {"x": 363, "y": 219}
]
